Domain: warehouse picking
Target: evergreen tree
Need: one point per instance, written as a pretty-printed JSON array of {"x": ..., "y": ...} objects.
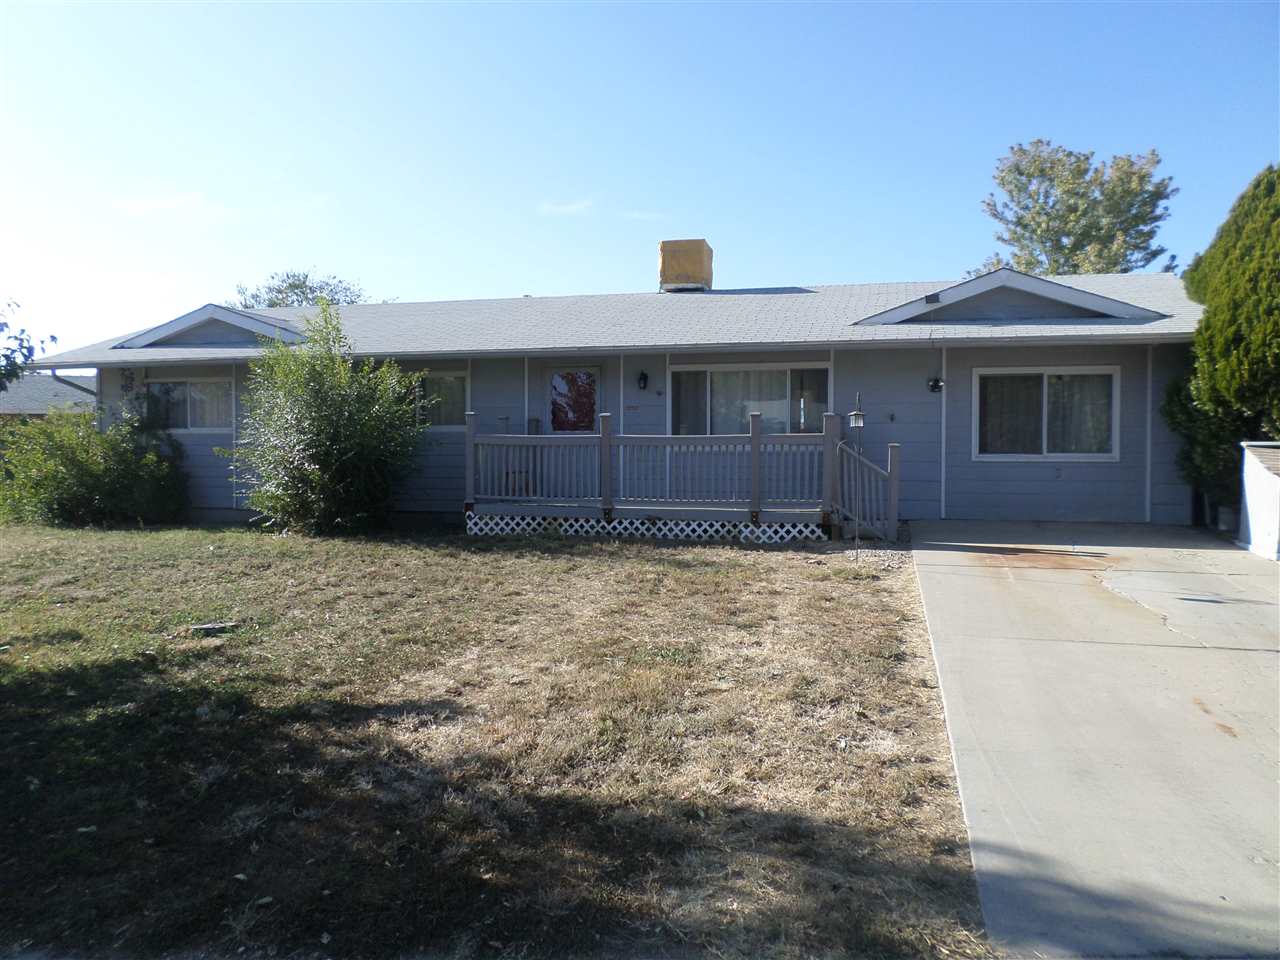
[
  {"x": 1233, "y": 393},
  {"x": 1237, "y": 346}
]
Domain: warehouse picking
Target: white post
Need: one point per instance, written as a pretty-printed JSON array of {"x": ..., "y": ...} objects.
[
  {"x": 470, "y": 465},
  {"x": 830, "y": 451},
  {"x": 606, "y": 464},
  {"x": 756, "y": 458},
  {"x": 895, "y": 478}
]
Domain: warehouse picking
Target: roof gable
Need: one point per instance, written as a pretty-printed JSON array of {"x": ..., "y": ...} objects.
[
  {"x": 212, "y": 325},
  {"x": 1006, "y": 294}
]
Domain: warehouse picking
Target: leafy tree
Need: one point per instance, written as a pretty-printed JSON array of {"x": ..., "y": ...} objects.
[
  {"x": 326, "y": 438},
  {"x": 1234, "y": 391},
  {"x": 16, "y": 347},
  {"x": 1062, "y": 213},
  {"x": 297, "y": 288},
  {"x": 62, "y": 469}
]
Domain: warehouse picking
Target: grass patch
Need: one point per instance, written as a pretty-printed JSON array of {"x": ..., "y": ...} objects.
[{"x": 448, "y": 747}]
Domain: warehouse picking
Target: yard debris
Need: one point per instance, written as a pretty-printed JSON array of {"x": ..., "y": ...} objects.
[{"x": 210, "y": 629}]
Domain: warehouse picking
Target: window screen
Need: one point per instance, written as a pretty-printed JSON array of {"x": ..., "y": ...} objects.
[
  {"x": 444, "y": 399},
  {"x": 1010, "y": 416},
  {"x": 808, "y": 400}
]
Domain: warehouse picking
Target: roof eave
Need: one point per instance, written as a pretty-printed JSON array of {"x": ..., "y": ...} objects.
[{"x": 1116, "y": 339}]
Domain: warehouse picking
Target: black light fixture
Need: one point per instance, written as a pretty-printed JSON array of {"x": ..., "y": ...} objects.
[
  {"x": 935, "y": 384},
  {"x": 642, "y": 381}
]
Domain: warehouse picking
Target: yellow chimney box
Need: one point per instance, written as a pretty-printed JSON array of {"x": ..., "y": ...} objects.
[{"x": 684, "y": 265}]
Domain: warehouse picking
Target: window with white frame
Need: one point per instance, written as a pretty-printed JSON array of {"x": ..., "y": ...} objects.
[
  {"x": 720, "y": 400},
  {"x": 189, "y": 404},
  {"x": 1055, "y": 413},
  {"x": 443, "y": 399}
]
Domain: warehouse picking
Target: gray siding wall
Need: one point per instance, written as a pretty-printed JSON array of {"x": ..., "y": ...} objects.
[
  {"x": 895, "y": 397},
  {"x": 212, "y": 333},
  {"x": 1005, "y": 303},
  {"x": 209, "y": 474},
  {"x": 899, "y": 409},
  {"x": 644, "y": 411},
  {"x": 435, "y": 482},
  {"x": 1028, "y": 490},
  {"x": 1170, "y": 493},
  {"x": 541, "y": 370}
]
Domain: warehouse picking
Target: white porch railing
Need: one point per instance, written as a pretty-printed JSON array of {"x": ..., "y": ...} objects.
[{"x": 753, "y": 476}]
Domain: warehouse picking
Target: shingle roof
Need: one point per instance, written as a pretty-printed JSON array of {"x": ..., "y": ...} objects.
[
  {"x": 37, "y": 394},
  {"x": 733, "y": 319},
  {"x": 1268, "y": 455}
]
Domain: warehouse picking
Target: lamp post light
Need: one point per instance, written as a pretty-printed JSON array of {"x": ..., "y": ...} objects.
[{"x": 857, "y": 420}]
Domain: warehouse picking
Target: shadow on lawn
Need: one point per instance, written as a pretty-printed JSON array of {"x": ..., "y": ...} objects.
[{"x": 146, "y": 814}]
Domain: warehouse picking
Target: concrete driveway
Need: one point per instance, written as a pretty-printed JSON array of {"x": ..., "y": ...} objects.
[{"x": 1112, "y": 696}]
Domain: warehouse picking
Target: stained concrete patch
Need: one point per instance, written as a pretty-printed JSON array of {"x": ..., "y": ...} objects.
[{"x": 1111, "y": 693}]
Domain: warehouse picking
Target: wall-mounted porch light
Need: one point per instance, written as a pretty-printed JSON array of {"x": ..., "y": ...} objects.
[
  {"x": 642, "y": 381},
  {"x": 935, "y": 384}
]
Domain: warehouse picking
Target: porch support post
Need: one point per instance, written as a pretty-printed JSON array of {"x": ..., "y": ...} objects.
[
  {"x": 895, "y": 479},
  {"x": 470, "y": 467},
  {"x": 756, "y": 458},
  {"x": 830, "y": 465},
  {"x": 606, "y": 465}
]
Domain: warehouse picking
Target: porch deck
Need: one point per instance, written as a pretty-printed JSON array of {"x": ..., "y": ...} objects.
[{"x": 754, "y": 478}]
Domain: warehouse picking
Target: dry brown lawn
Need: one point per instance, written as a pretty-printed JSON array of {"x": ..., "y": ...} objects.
[{"x": 446, "y": 747}]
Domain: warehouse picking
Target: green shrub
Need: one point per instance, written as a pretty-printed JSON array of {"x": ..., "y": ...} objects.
[
  {"x": 62, "y": 469},
  {"x": 1237, "y": 347},
  {"x": 1234, "y": 392},
  {"x": 1209, "y": 458},
  {"x": 325, "y": 438}
]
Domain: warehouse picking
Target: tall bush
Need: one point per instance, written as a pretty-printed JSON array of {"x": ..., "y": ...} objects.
[
  {"x": 325, "y": 437},
  {"x": 62, "y": 469},
  {"x": 1233, "y": 393}
]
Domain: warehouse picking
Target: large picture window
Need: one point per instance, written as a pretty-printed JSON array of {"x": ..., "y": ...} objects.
[
  {"x": 189, "y": 404},
  {"x": 1062, "y": 413},
  {"x": 721, "y": 401}
]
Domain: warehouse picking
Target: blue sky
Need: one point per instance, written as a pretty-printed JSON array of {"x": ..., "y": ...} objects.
[{"x": 157, "y": 155}]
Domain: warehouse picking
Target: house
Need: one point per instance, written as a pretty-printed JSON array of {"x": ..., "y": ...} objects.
[
  {"x": 1260, "y": 499},
  {"x": 35, "y": 395},
  {"x": 693, "y": 409}
]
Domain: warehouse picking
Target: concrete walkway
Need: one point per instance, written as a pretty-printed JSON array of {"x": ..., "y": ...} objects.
[{"x": 1112, "y": 697}]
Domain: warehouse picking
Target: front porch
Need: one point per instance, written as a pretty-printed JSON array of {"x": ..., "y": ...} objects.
[{"x": 753, "y": 487}]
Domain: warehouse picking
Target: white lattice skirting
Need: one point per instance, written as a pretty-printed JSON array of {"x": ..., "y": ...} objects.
[{"x": 497, "y": 525}]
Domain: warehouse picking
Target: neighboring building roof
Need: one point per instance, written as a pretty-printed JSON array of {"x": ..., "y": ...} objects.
[
  {"x": 1267, "y": 454},
  {"x": 826, "y": 316},
  {"x": 36, "y": 394}
]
